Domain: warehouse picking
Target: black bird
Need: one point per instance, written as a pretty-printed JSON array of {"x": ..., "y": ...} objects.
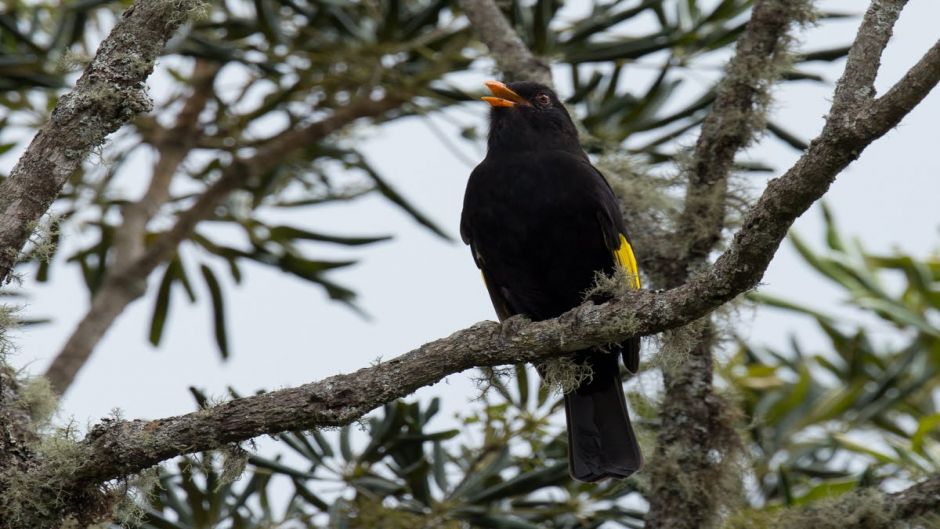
[{"x": 541, "y": 221}]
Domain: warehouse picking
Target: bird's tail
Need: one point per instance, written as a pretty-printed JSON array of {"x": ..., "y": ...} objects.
[{"x": 601, "y": 442}]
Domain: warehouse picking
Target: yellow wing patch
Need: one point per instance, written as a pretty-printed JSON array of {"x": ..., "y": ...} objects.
[{"x": 625, "y": 258}]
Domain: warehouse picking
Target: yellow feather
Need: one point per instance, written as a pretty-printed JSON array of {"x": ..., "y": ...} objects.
[{"x": 625, "y": 258}]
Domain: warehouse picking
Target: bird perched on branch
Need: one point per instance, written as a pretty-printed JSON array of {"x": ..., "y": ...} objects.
[{"x": 541, "y": 222}]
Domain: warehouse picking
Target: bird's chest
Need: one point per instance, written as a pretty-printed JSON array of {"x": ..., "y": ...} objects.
[{"x": 534, "y": 214}]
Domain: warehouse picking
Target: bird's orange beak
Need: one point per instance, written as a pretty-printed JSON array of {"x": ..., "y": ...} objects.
[{"x": 504, "y": 96}]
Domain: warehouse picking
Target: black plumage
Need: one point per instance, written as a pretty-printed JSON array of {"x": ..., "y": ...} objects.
[{"x": 541, "y": 221}]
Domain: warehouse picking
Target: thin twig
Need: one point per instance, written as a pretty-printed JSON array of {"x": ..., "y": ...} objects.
[
  {"x": 113, "y": 296},
  {"x": 511, "y": 54}
]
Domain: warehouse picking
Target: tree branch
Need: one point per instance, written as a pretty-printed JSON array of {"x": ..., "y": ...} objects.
[
  {"x": 512, "y": 56},
  {"x": 866, "y": 508},
  {"x": 736, "y": 117},
  {"x": 173, "y": 145},
  {"x": 107, "y": 95},
  {"x": 916, "y": 501},
  {"x": 857, "y": 85},
  {"x": 695, "y": 426}
]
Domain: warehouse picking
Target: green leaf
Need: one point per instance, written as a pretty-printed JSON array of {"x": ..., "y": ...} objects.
[
  {"x": 523, "y": 483},
  {"x": 795, "y": 397},
  {"x": 180, "y": 273},
  {"x": 301, "y": 490},
  {"x": 826, "y": 266},
  {"x": 161, "y": 306},
  {"x": 172, "y": 500},
  {"x": 475, "y": 480},
  {"x": 439, "y": 467},
  {"x": 277, "y": 467},
  {"x": 431, "y": 410},
  {"x": 269, "y": 21},
  {"x": 600, "y": 21},
  {"x": 345, "y": 448},
  {"x": 833, "y": 239},
  {"x": 899, "y": 314},
  {"x": 290, "y": 233},
  {"x": 199, "y": 396},
  {"x": 854, "y": 446},
  {"x": 620, "y": 50},
  {"x": 790, "y": 139},
  {"x": 828, "y": 55},
  {"x": 322, "y": 443},
  {"x": 773, "y": 301},
  {"x": 300, "y": 444},
  {"x": 379, "y": 485},
  {"x": 437, "y": 436},
  {"x": 426, "y": 18},
  {"x": 502, "y": 521},
  {"x": 836, "y": 402},
  {"x": 218, "y": 309},
  {"x": 522, "y": 384},
  {"x": 391, "y": 194},
  {"x": 828, "y": 489}
]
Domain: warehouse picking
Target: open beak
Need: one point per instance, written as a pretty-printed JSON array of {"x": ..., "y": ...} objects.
[{"x": 504, "y": 96}]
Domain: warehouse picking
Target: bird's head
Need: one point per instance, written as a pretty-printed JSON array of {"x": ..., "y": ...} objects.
[{"x": 529, "y": 116}]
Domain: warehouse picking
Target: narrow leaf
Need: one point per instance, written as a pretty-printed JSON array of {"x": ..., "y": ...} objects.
[{"x": 218, "y": 310}]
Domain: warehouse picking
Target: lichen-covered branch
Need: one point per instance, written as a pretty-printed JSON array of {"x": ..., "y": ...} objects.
[
  {"x": 685, "y": 470},
  {"x": 128, "y": 282},
  {"x": 916, "y": 501},
  {"x": 697, "y": 444},
  {"x": 862, "y": 508},
  {"x": 857, "y": 85},
  {"x": 107, "y": 95},
  {"x": 512, "y": 56},
  {"x": 735, "y": 119}
]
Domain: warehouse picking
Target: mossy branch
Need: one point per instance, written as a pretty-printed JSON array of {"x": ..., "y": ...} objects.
[
  {"x": 865, "y": 508},
  {"x": 698, "y": 450},
  {"x": 735, "y": 120}
]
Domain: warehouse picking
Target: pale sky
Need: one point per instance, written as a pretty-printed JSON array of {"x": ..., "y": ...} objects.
[{"x": 418, "y": 288}]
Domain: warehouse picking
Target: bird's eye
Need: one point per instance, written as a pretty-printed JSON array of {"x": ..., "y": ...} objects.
[{"x": 543, "y": 100}]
